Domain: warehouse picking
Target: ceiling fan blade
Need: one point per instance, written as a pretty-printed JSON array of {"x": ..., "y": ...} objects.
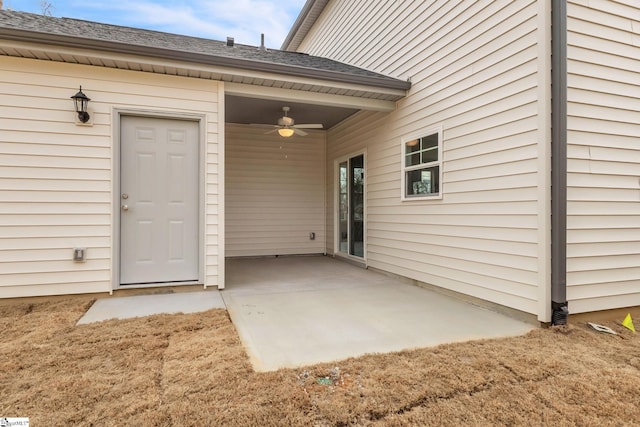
[
  {"x": 308, "y": 126},
  {"x": 271, "y": 131},
  {"x": 262, "y": 125},
  {"x": 299, "y": 132}
]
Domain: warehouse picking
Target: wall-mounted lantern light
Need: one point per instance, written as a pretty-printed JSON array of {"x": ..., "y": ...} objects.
[{"x": 81, "y": 102}]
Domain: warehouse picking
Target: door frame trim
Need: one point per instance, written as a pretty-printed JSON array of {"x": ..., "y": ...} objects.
[
  {"x": 336, "y": 208},
  {"x": 117, "y": 114}
]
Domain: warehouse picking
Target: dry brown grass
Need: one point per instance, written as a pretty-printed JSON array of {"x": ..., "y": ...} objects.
[{"x": 191, "y": 370}]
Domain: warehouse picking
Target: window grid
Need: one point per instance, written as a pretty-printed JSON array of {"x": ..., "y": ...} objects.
[{"x": 422, "y": 166}]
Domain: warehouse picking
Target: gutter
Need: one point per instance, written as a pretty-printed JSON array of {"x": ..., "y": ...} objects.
[
  {"x": 200, "y": 58},
  {"x": 559, "y": 304}
]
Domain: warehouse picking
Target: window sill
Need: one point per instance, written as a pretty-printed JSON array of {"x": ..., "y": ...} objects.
[{"x": 421, "y": 198}]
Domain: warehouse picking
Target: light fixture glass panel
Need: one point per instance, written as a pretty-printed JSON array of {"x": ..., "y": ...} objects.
[{"x": 285, "y": 132}]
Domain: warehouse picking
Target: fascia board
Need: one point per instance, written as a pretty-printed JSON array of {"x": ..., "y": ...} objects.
[{"x": 326, "y": 99}]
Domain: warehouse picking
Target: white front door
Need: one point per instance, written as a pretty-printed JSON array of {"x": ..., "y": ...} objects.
[{"x": 158, "y": 200}]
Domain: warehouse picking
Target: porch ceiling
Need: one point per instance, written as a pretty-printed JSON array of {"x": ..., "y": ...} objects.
[{"x": 243, "y": 110}]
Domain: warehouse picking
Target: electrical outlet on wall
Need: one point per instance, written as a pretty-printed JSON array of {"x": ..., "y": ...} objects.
[{"x": 80, "y": 254}]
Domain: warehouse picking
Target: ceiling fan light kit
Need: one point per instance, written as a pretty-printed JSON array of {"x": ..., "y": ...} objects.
[
  {"x": 286, "y": 126},
  {"x": 286, "y": 132}
]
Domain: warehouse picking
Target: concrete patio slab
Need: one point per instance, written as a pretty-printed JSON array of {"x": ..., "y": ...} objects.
[
  {"x": 146, "y": 305},
  {"x": 296, "y": 311}
]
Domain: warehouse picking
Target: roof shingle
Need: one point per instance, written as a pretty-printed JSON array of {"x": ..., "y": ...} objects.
[{"x": 45, "y": 29}]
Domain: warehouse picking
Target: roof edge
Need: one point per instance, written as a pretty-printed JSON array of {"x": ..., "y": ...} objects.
[
  {"x": 306, "y": 18},
  {"x": 155, "y": 52}
]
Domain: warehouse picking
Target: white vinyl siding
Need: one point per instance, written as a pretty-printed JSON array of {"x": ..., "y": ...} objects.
[
  {"x": 275, "y": 192},
  {"x": 56, "y": 178},
  {"x": 475, "y": 70},
  {"x": 603, "y": 266}
]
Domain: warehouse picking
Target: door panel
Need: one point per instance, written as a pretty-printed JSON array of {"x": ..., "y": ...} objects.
[
  {"x": 356, "y": 206},
  {"x": 343, "y": 208},
  {"x": 351, "y": 206},
  {"x": 159, "y": 201}
]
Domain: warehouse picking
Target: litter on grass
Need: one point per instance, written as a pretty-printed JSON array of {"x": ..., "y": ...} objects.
[
  {"x": 628, "y": 323},
  {"x": 601, "y": 328}
]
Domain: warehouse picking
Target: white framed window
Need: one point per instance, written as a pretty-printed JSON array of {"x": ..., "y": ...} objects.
[{"x": 422, "y": 165}]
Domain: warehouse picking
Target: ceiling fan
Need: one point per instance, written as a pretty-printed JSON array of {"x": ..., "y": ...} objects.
[{"x": 286, "y": 126}]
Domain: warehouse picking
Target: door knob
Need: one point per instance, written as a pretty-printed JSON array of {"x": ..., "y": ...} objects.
[
  {"x": 125, "y": 196},
  {"x": 125, "y": 207}
]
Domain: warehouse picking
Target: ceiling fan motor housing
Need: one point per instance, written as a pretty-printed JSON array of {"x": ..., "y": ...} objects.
[{"x": 285, "y": 121}]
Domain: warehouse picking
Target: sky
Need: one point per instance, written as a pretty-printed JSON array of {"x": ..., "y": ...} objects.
[{"x": 244, "y": 20}]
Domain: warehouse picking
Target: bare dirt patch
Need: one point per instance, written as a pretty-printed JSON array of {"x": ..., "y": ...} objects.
[{"x": 191, "y": 370}]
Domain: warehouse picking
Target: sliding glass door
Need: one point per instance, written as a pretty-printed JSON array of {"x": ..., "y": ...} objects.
[{"x": 351, "y": 206}]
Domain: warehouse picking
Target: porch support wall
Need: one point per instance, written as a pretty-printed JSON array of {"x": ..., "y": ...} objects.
[{"x": 58, "y": 176}]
